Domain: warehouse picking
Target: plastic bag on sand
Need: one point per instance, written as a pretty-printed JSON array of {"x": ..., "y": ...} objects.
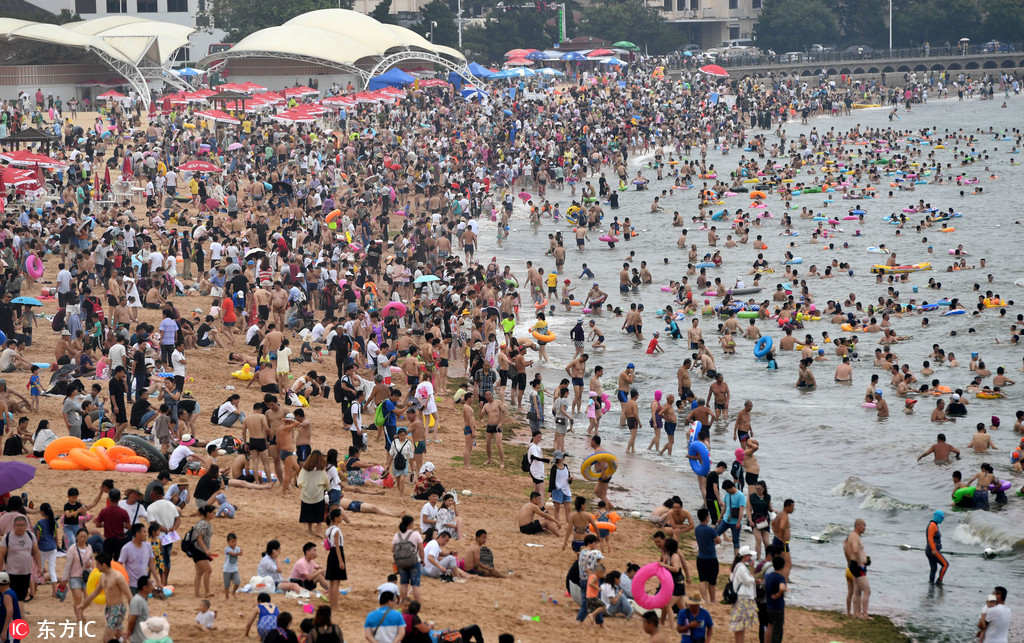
[{"x": 258, "y": 584}]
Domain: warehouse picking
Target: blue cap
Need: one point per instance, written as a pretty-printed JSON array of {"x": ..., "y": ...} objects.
[
  {"x": 938, "y": 516},
  {"x": 630, "y": 365}
]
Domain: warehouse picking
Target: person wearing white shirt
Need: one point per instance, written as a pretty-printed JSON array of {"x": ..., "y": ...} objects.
[
  {"x": 317, "y": 334},
  {"x": 372, "y": 350},
  {"x": 216, "y": 250},
  {"x": 428, "y": 514},
  {"x": 228, "y": 413},
  {"x": 744, "y": 612},
  {"x": 156, "y": 260},
  {"x": 535, "y": 455},
  {"x": 438, "y": 562},
  {"x": 995, "y": 618},
  {"x": 178, "y": 367},
  {"x": 134, "y": 508}
]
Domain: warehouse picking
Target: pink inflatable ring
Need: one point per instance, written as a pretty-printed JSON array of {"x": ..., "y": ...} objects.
[
  {"x": 34, "y": 266},
  {"x": 664, "y": 595}
]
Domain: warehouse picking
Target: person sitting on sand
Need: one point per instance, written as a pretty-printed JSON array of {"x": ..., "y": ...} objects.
[{"x": 532, "y": 519}]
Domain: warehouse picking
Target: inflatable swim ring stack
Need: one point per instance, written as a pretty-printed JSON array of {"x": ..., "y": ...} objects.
[{"x": 72, "y": 454}]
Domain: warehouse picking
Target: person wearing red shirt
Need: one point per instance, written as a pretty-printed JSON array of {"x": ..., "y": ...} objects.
[
  {"x": 653, "y": 346},
  {"x": 115, "y": 522}
]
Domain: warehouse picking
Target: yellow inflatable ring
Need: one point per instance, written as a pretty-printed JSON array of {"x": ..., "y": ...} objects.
[
  {"x": 62, "y": 447},
  {"x": 541, "y": 337},
  {"x": 586, "y": 470},
  {"x": 94, "y": 580},
  {"x": 987, "y": 396},
  {"x": 105, "y": 443}
]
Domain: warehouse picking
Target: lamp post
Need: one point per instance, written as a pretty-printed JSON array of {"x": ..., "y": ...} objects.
[
  {"x": 430, "y": 34},
  {"x": 890, "y": 27}
]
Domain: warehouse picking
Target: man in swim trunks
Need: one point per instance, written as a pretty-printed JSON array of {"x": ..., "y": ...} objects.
[
  {"x": 631, "y": 411},
  {"x": 683, "y": 380},
  {"x": 533, "y": 519},
  {"x": 285, "y": 439},
  {"x": 494, "y": 414},
  {"x": 624, "y": 383},
  {"x": 113, "y": 584},
  {"x": 857, "y": 570},
  {"x": 468, "y": 421},
  {"x": 719, "y": 390},
  {"x": 781, "y": 529},
  {"x": 742, "y": 431},
  {"x": 255, "y": 429},
  {"x": 576, "y": 370},
  {"x": 596, "y": 336}
]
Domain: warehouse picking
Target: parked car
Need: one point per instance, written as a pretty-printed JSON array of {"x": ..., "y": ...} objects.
[
  {"x": 994, "y": 46},
  {"x": 818, "y": 49},
  {"x": 792, "y": 57},
  {"x": 858, "y": 50},
  {"x": 693, "y": 48}
]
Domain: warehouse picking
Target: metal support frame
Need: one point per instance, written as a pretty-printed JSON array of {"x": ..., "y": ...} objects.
[
  {"x": 130, "y": 73},
  {"x": 166, "y": 74},
  {"x": 225, "y": 56},
  {"x": 393, "y": 59}
]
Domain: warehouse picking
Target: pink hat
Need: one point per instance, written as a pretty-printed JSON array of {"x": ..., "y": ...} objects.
[
  {"x": 739, "y": 453},
  {"x": 657, "y": 395}
]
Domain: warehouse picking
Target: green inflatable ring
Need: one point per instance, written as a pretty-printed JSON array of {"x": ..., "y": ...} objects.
[{"x": 963, "y": 493}]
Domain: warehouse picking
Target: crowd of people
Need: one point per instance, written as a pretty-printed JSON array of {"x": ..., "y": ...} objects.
[{"x": 358, "y": 244}]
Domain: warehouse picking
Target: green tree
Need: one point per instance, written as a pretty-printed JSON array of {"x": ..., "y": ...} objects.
[
  {"x": 1004, "y": 20},
  {"x": 382, "y": 12},
  {"x": 445, "y": 32},
  {"x": 863, "y": 22},
  {"x": 795, "y": 24},
  {"x": 242, "y": 17},
  {"x": 510, "y": 29},
  {"x": 630, "y": 20},
  {"x": 936, "y": 22}
]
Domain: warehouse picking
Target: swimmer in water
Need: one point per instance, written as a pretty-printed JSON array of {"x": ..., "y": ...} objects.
[{"x": 941, "y": 450}]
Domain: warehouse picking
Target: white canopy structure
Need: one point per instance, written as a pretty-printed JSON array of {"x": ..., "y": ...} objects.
[
  {"x": 136, "y": 48},
  {"x": 342, "y": 39}
]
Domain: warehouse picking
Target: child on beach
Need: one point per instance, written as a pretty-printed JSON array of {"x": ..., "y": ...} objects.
[
  {"x": 232, "y": 578},
  {"x": 206, "y": 617},
  {"x": 34, "y": 389}
]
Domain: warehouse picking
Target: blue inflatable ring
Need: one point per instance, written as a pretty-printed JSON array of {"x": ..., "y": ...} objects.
[
  {"x": 762, "y": 346},
  {"x": 702, "y": 464}
]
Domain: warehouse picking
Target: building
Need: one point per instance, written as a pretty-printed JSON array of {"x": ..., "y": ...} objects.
[
  {"x": 180, "y": 12},
  {"x": 710, "y": 23}
]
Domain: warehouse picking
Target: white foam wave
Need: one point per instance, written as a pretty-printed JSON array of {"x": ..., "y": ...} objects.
[
  {"x": 874, "y": 498},
  {"x": 977, "y": 534}
]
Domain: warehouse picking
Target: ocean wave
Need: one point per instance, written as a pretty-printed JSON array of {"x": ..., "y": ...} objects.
[
  {"x": 874, "y": 497},
  {"x": 994, "y": 537}
]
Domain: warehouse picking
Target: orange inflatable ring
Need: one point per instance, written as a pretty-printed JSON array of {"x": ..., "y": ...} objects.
[
  {"x": 134, "y": 459},
  {"x": 101, "y": 453},
  {"x": 372, "y": 287},
  {"x": 63, "y": 464},
  {"x": 332, "y": 216},
  {"x": 119, "y": 453},
  {"x": 62, "y": 447},
  {"x": 86, "y": 460}
]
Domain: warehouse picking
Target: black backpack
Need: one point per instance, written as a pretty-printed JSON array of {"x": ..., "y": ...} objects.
[
  {"x": 215, "y": 416},
  {"x": 13, "y": 446},
  {"x": 188, "y": 543},
  {"x": 525, "y": 464},
  {"x": 729, "y": 595},
  {"x": 400, "y": 463}
]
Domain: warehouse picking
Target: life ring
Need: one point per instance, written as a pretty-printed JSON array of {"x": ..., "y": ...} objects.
[
  {"x": 1002, "y": 485},
  {"x": 86, "y": 460},
  {"x": 702, "y": 464},
  {"x": 62, "y": 447},
  {"x": 34, "y": 266},
  {"x": 955, "y": 311},
  {"x": 664, "y": 595},
  {"x": 607, "y": 403},
  {"x": 372, "y": 287},
  {"x": 245, "y": 373},
  {"x": 101, "y": 453},
  {"x": 145, "y": 449},
  {"x": 332, "y": 216},
  {"x": 125, "y": 467},
  {"x": 397, "y": 306},
  {"x": 118, "y": 453},
  {"x": 747, "y": 314},
  {"x": 794, "y": 261},
  {"x": 541, "y": 305},
  {"x": 605, "y": 526},
  {"x": 607, "y": 238},
  {"x": 573, "y": 302},
  {"x": 104, "y": 443},
  {"x": 963, "y": 493},
  {"x": 136, "y": 459},
  {"x": 540, "y": 337},
  {"x": 587, "y": 469},
  {"x": 987, "y": 396},
  {"x": 94, "y": 580},
  {"x": 63, "y": 464},
  {"x": 762, "y": 346}
]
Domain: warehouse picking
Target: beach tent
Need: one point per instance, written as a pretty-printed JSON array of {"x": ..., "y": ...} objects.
[{"x": 391, "y": 78}]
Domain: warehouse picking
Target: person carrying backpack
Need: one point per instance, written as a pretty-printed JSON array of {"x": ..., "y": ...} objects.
[
  {"x": 407, "y": 549},
  {"x": 400, "y": 454}
]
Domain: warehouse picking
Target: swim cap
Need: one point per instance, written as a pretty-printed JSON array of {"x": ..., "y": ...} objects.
[
  {"x": 878, "y": 391},
  {"x": 938, "y": 516},
  {"x": 657, "y": 395},
  {"x": 821, "y": 351},
  {"x": 995, "y": 420},
  {"x": 629, "y": 366},
  {"x": 694, "y": 404},
  {"x": 739, "y": 453}
]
